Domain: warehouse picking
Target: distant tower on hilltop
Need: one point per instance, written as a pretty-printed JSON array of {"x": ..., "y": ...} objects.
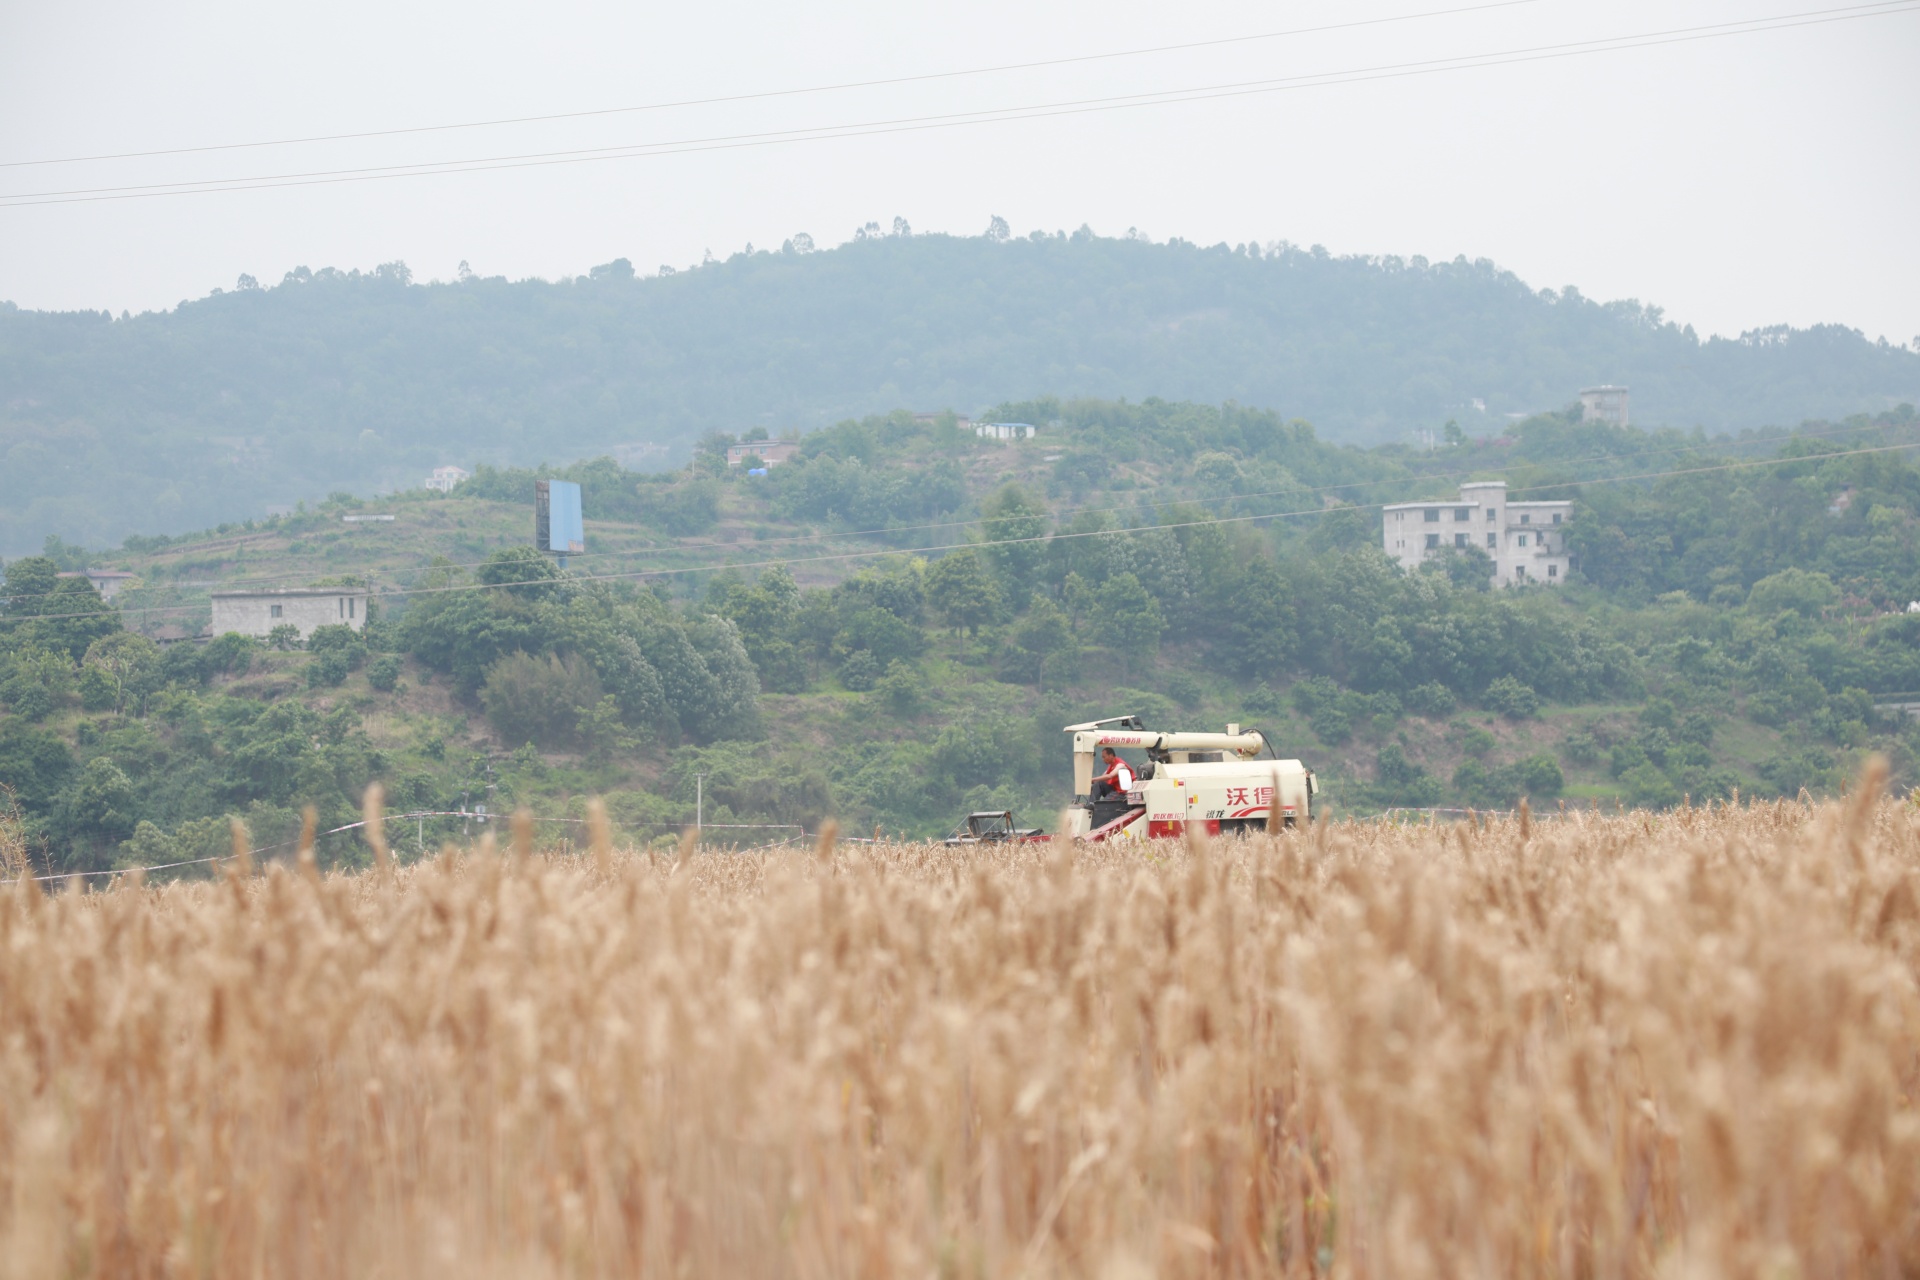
[{"x": 1604, "y": 404}]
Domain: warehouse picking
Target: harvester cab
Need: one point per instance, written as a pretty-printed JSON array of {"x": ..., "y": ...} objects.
[{"x": 1216, "y": 781}]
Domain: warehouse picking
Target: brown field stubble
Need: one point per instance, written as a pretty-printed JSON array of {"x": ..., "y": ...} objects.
[{"x": 1600, "y": 1047}]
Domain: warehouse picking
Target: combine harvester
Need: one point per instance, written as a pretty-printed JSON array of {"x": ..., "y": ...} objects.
[{"x": 1211, "y": 780}]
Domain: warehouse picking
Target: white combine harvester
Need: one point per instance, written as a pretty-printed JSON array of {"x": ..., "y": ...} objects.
[{"x": 1212, "y": 780}]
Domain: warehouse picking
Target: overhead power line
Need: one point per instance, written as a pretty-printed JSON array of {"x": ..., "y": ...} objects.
[
  {"x": 726, "y": 99},
  {"x": 912, "y": 124},
  {"x": 1066, "y": 535}
]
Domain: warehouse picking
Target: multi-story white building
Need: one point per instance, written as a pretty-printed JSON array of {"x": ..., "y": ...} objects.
[
  {"x": 445, "y": 479},
  {"x": 1527, "y": 541},
  {"x": 1604, "y": 404}
]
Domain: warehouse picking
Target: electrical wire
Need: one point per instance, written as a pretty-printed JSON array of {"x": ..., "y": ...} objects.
[
  {"x": 843, "y": 86},
  {"x": 1048, "y": 537},
  {"x": 910, "y": 124}
]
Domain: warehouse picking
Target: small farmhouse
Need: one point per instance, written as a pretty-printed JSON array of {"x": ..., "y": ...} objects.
[
  {"x": 771, "y": 452},
  {"x": 257, "y": 613}
]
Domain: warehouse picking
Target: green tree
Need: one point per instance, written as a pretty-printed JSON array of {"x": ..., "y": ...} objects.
[
  {"x": 903, "y": 690},
  {"x": 1013, "y": 524},
  {"x": 34, "y": 763},
  {"x": 1043, "y": 638},
  {"x": 1257, "y": 638},
  {"x": 523, "y": 571},
  {"x": 129, "y": 662},
  {"x": 1796, "y": 590},
  {"x": 767, "y": 614},
  {"x": 1128, "y": 619},
  {"x": 102, "y": 805},
  {"x": 53, "y": 612},
  {"x": 34, "y": 681},
  {"x": 961, "y": 593}
]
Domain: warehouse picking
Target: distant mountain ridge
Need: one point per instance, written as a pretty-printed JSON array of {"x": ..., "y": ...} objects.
[{"x": 348, "y": 380}]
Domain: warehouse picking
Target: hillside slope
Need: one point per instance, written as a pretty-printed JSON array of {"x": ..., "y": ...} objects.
[
  {"x": 241, "y": 400},
  {"x": 891, "y": 629}
]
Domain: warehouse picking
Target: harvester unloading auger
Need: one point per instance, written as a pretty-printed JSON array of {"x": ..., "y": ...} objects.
[{"x": 1211, "y": 780}]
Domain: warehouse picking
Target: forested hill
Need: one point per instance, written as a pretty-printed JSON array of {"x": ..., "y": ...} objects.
[{"x": 223, "y": 406}]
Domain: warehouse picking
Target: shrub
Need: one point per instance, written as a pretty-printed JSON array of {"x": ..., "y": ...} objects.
[
  {"x": 1474, "y": 741},
  {"x": 336, "y": 637},
  {"x": 1264, "y": 701},
  {"x": 230, "y": 654},
  {"x": 860, "y": 672},
  {"x": 882, "y": 634},
  {"x": 1648, "y": 788},
  {"x": 1511, "y": 698},
  {"x": 329, "y": 669},
  {"x": 903, "y": 690},
  {"x": 976, "y": 754},
  {"x": 1185, "y": 689},
  {"x": 1477, "y": 785},
  {"x": 1432, "y": 699},
  {"x": 97, "y": 691},
  {"x": 383, "y": 673},
  {"x": 539, "y": 697},
  {"x": 1539, "y": 776},
  {"x": 1625, "y": 757},
  {"x": 285, "y": 637},
  {"x": 1314, "y": 692},
  {"x": 1331, "y": 725},
  {"x": 1401, "y": 781},
  {"x": 1698, "y": 727}
]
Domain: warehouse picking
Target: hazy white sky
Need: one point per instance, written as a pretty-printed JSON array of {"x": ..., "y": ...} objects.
[{"x": 1739, "y": 181}]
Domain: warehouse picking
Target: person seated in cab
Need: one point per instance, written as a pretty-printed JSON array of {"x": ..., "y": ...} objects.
[{"x": 1117, "y": 780}]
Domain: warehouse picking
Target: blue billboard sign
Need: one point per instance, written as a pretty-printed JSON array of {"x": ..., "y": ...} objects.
[{"x": 559, "y": 525}]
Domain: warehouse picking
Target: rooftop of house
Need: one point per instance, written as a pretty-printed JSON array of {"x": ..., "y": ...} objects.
[{"x": 281, "y": 593}]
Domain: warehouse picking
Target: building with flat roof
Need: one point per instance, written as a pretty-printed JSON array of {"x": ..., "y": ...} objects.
[
  {"x": 1527, "y": 541},
  {"x": 106, "y": 581},
  {"x": 1604, "y": 404},
  {"x": 257, "y": 613},
  {"x": 771, "y": 452}
]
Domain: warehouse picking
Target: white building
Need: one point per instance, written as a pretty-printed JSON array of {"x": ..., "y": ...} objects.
[
  {"x": 257, "y": 613},
  {"x": 106, "y": 581},
  {"x": 1527, "y": 541},
  {"x": 770, "y": 452},
  {"x": 445, "y": 478},
  {"x": 1604, "y": 404},
  {"x": 1005, "y": 430}
]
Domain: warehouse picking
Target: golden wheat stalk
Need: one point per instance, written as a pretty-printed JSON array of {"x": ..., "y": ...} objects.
[{"x": 1601, "y": 1046}]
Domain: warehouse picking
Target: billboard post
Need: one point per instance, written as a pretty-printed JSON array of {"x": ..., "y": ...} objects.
[{"x": 559, "y": 526}]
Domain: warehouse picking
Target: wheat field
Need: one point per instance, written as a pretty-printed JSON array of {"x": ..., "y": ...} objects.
[{"x": 1637, "y": 1045}]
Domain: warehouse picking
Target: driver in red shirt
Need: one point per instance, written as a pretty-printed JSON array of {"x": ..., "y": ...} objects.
[{"x": 1117, "y": 780}]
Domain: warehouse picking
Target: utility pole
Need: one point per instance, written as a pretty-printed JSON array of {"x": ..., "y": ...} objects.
[{"x": 699, "y": 804}]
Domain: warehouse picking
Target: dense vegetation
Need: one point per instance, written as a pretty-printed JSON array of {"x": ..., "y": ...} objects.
[
  {"x": 1737, "y": 612},
  {"x": 211, "y": 412}
]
